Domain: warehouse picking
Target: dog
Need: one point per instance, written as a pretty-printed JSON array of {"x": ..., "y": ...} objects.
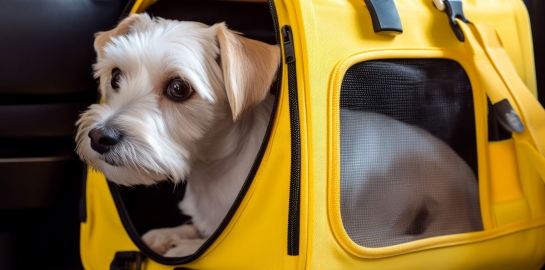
[
  {"x": 400, "y": 183},
  {"x": 183, "y": 100},
  {"x": 189, "y": 102}
]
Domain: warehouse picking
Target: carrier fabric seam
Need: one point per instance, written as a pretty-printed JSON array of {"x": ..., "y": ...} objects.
[
  {"x": 295, "y": 177},
  {"x": 479, "y": 236}
]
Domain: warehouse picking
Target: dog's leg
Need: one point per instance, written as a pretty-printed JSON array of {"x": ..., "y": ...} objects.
[
  {"x": 162, "y": 240},
  {"x": 185, "y": 247}
]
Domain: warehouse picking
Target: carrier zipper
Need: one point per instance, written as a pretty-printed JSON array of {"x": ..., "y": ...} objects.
[
  {"x": 131, "y": 230},
  {"x": 295, "y": 177}
]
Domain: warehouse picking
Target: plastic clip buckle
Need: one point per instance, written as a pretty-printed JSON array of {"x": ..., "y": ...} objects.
[
  {"x": 124, "y": 260},
  {"x": 454, "y": 10}
]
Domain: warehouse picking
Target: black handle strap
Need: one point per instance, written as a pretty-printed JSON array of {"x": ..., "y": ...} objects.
[{"x": 384, "y": 16}]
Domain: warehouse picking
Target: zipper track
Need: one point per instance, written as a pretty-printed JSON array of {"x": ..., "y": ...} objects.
[
  {"x": 295, "y": 176},
  {"x": 126, "y": 220}
]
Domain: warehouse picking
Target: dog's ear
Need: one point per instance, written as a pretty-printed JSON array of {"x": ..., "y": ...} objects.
[
  {"x": 101, "y": 38},
  {"x": 249, "y": 67}
]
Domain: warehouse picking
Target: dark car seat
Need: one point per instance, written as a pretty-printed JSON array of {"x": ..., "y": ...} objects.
[
  {"x": 536, "y": 10},
  {"x": 46, "y": 57}
]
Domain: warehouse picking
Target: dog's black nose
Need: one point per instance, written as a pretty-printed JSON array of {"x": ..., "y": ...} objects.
[{"x": 103, "y": 138}]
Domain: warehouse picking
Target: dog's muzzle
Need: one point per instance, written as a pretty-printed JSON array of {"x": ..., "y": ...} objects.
[{"x": 103, "y": 138}]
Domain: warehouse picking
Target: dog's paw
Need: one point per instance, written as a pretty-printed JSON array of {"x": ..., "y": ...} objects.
[
  {"x": 162, "y": 240},
  {"x": 184, "y": 247}
]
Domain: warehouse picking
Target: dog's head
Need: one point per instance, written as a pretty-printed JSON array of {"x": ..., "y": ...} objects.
[{"x": 166, "y": 86}]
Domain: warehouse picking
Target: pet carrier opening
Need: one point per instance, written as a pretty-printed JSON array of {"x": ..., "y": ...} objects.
[{"x": 144, "y": 208}]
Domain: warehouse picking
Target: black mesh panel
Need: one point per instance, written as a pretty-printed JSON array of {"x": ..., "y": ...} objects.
[{"x": 408, "y": 151}]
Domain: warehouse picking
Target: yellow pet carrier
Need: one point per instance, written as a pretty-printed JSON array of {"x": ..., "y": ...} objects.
[{"x": 466, "y": 79}]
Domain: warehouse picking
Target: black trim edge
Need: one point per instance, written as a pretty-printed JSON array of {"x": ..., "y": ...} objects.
[{"x": 128, "y": 7}]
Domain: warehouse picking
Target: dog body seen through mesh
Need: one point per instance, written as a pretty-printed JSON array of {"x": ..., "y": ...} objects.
[{"x": 408, "y": 152}]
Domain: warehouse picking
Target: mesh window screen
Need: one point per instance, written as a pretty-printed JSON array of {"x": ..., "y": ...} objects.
[{"x": 408, "y": 152}]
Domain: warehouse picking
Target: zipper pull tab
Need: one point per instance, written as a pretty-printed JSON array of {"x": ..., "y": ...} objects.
[{"x": 289, "y": 54}]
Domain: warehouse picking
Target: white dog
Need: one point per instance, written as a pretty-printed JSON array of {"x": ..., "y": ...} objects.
[
  {"x": 187, "y": 101},
  {"x": 399, "y": 183},
  {"x": 182, "y": 101}
]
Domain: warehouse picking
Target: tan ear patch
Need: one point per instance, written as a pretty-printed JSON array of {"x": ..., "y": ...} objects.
[
  {"x": 249, "y": 67},
  {"x": 101, "y": 38}
]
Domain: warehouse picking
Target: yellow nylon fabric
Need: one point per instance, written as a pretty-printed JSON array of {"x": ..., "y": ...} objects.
[
  {"x": 141, "y": 5},
  {"x": 505, "y": 167},
  {"x": 329, "y": 37},
  {"x": 102, "y": 234}
]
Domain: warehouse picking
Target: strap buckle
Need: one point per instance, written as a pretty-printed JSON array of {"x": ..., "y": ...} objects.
[
  {"x": 454, "y": 10},
  {"x": 125, "y": 260}
]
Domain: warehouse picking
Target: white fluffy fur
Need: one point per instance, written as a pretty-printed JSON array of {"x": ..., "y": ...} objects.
[{"x": 197, "y": 139}]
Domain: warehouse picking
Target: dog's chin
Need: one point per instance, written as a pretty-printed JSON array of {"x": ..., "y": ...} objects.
[{"x": 127, "y": 176}]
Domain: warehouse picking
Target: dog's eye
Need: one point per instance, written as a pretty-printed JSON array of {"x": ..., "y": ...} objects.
[
  {"x": 178, "y": 90},
  {"x": 116, "y": 76}
]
